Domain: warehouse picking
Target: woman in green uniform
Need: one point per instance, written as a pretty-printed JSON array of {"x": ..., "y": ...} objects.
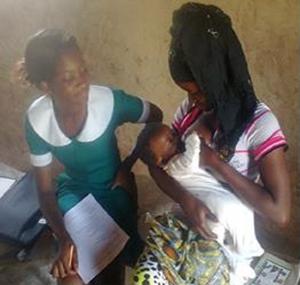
[{"x": 75, "y": 123}]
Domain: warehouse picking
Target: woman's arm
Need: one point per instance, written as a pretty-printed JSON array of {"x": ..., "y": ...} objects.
[
  {"x": 50, "y": 210},
  {"x": 48, "y": 203},
  {"x": 123, "y": 175},
  {"x": 196, "y": 211},
  {"x": 155, "y": 115},
  {"x": 273, "y": 199}
]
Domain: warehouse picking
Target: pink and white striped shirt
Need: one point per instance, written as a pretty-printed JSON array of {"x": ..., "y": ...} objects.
[{"x": 262, "y": 135}]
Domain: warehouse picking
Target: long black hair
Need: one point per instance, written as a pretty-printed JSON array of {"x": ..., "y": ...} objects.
[{"x": 205, "y": 49}]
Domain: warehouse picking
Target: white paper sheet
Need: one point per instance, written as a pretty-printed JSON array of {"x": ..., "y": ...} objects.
[
  {"x": 5, "y": 184},
  {"x": 97, "y": 237}
]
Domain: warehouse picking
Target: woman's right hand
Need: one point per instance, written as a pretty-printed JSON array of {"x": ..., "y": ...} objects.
[
  {"x": 66, "y": 262},
  {"x": 198, "y": 213}
]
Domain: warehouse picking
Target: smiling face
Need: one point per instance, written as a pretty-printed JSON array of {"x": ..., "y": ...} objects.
[
  {"x": 70, "y": 83},
  {"x": 164, "y": 144}
]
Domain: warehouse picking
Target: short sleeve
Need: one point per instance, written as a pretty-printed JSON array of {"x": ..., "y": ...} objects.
[
  {"x": 40, "y": 154},
  {"x": 130, "y": 108},
  {"x": 185, "y": 118},
  {"x": 264, "y": 134},
  {"x": 180, "y": 113}
]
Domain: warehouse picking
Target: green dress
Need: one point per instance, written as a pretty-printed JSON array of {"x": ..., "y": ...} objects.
[{"x": 92, "y": 158}]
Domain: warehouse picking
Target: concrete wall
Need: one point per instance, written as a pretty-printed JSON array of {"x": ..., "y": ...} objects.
[{"x": 126, "y": 45}]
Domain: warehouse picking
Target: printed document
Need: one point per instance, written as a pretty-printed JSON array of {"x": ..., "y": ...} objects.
[{"x": 98, "y": 238}]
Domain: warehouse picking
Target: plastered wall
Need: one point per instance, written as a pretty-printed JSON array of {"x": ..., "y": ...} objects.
[{"x": 126, "y": 45}]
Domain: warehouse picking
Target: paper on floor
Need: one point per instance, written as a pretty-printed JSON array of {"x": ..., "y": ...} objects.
[{"x": 271, "y": 270}]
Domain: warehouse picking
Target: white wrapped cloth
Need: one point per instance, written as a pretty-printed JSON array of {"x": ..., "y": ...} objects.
[{"x": 235, "y": 227}]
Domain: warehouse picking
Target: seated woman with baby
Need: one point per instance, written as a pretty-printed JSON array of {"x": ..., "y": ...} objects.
[{"x": 222, "y": 161}]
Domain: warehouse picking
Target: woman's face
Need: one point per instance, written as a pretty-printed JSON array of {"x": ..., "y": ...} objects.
[
  {"x": 70, "y": 84},
  {"x": 195, "y": 94}
]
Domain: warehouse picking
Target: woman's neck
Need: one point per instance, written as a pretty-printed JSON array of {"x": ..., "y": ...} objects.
[
  {"x": 68, "y": 109},
  {"x": 71, "y": 118}
]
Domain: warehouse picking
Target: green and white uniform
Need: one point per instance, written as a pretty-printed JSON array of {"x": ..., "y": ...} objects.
[{"x": 92, "y": 158}]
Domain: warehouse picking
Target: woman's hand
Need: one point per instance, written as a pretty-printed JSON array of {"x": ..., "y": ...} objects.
[
  {"x": 209, "y": 158},
  {"x": 66, "y": 262},
  {"x": 123, "y": 179},
  {"x": 198, "y": 213},
  {"x": 126, "y": 180},
  {"x": 273, "y": 199}
]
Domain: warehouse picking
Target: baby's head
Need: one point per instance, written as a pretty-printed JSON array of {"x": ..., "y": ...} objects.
[{"x": 157, "y": 143}]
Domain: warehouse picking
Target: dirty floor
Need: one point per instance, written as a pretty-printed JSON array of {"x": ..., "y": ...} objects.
[{"x": 282, "y": 243}]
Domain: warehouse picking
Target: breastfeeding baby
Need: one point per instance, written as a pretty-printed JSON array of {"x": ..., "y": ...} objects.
[{"x": 159, "y": 145}]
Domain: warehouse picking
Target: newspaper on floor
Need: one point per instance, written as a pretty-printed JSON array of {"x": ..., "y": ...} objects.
[
  {"x": 5, "y": 184},
  {"x": 97, "y": 237},
  {"x": 272, "y": 270}
]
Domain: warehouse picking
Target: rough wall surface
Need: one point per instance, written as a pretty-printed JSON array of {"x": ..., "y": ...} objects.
[{"x": 126, "y": 44}]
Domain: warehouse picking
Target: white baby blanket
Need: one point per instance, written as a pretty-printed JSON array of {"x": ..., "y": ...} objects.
[{"x": 235, "y": 228}]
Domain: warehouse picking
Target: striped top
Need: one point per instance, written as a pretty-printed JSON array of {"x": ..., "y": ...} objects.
[{"x": 262, "y": 135}]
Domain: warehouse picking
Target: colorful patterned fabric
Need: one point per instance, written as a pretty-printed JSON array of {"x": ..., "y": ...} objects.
[
  {"x": 149, "y": 271},
  {"x": 183, "y": 255}
]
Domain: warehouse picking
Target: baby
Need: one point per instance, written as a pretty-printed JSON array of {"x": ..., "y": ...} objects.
[{"x": 159, "y": 145}]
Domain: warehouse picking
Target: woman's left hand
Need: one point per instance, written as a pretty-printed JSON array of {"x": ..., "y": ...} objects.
[
  {"x": 126, "y": 180},
  {"x": 122, "y": 179}
]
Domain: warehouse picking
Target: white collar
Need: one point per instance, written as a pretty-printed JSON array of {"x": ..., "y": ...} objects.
[{"x": 100, "y": 109}]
